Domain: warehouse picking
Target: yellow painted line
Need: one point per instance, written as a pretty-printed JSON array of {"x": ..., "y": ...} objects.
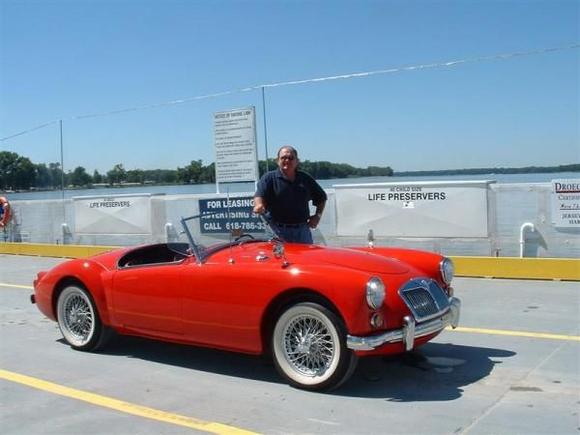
[
  {"x": 458, "y": 329},
  {"x": 27, "y": 287},
  {"x": 121, "y": 406},
  {"x": 516, "y": 333}
]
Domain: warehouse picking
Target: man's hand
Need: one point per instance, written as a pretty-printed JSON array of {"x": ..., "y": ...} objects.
[
  {"x": 259, "y": 206},
  {"x": 259, "y": 209},
  {"x": 313, "y": 221}
]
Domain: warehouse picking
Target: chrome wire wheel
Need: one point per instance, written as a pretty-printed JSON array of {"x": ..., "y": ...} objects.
[
  {"x": 308, "y": 347},
  {"x": 76, "y": 317}
]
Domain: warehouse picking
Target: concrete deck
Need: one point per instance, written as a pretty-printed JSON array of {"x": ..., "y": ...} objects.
[{"x": 513, "y": 367}]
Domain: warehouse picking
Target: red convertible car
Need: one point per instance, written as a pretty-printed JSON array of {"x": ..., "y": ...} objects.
[{"x": 315, "y": 309}]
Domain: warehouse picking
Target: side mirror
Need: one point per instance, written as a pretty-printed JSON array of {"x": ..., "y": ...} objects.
[
  {"x": 371, "y": 239},
  {"x": 278, "y": 249}
]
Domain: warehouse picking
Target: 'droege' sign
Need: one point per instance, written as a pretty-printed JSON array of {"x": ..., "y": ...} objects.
[
  {"x": 430, "y": 209},
  {"x": 566, "y": 203},
  {"x": 235, "y": 146},
  {"x": 121, "y": 214},
  {"x": 222, "y": 215}
]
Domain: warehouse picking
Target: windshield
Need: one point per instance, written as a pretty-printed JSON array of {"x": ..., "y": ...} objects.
[{"x": 210, "y": 232}]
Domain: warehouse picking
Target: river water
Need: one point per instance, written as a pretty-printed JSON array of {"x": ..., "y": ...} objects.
[{"x": 249, "y": 187}]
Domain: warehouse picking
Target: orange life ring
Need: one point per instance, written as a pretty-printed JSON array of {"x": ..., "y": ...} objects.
[{"x": 5, "y": 212}]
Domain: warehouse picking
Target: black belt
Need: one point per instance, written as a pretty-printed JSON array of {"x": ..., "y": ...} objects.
[{"x": 279, "y": 224}]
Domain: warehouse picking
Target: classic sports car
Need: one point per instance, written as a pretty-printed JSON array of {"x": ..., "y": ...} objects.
[{"x": 315, "y": 309}]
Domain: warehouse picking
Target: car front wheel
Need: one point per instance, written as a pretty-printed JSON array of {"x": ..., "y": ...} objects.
[
  {"x": 78, "y": 319},
  {"x": 309, "y": 348}
]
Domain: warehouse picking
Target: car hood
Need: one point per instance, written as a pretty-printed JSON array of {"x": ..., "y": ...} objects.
[{"x": 348, "y": 258}]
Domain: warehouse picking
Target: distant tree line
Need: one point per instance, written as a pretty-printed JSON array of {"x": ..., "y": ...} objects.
[
  {"x": 20, "y": 173},
  {"x": 478, "y": 171},
  {"x": 326, "y": 170}
]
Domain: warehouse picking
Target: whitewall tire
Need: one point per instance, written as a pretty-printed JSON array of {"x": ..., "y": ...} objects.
[
  {"x": 309, "y": 347},
  {"x": 78, "y": 319}
]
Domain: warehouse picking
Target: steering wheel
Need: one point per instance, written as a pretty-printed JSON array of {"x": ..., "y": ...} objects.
[{"x": 241, "y": 236}]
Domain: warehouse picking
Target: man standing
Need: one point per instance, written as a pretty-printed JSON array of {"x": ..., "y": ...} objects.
[{"x": 285, "y": 193}]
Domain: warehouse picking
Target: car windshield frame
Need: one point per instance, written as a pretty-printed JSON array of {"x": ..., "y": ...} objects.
[{"x": 201, "y": 252}]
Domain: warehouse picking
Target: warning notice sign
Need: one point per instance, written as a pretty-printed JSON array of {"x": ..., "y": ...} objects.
[{"x": 566, "y": 203}]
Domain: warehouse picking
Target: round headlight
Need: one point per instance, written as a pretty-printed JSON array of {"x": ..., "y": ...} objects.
[
  {"x": 447, "y": 270},
  {"x": 375, "y": 293}
]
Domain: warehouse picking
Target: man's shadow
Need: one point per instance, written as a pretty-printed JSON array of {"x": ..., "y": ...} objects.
[{"x": 434, "y": 372}]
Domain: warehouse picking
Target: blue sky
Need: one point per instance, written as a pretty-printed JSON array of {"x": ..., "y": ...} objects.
[{"x": 63, "y": 58}]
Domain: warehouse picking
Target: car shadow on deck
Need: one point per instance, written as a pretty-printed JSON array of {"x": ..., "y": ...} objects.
[{"x": 434, "y": 372}]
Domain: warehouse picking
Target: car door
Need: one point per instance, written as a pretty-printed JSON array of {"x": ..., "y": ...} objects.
[
  {"x": 223, "y": 300},
  {"x": 147, "y": 299}
]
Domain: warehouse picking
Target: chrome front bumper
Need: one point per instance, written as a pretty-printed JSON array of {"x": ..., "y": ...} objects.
[{"x": 410, "y": 330}]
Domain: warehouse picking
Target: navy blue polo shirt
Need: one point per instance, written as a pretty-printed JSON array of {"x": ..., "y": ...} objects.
[{"x": 287, "y": 201}]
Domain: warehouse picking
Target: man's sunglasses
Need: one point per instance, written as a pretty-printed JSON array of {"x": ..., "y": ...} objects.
[{"x": 290, "y": 158}]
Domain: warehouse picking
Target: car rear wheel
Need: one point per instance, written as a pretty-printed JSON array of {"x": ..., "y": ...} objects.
[
  {"x": 79, "y": 321},
  {"x": 309, "y": 348}
]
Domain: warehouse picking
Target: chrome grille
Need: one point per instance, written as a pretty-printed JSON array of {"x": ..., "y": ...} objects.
[{"x": 424, "y": 298}]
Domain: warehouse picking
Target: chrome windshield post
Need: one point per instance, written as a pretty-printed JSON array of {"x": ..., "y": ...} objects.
[{"x": 194, "y": 246}]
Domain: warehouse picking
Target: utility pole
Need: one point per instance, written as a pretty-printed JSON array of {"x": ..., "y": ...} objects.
[{"x": 265, "y": 128}]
